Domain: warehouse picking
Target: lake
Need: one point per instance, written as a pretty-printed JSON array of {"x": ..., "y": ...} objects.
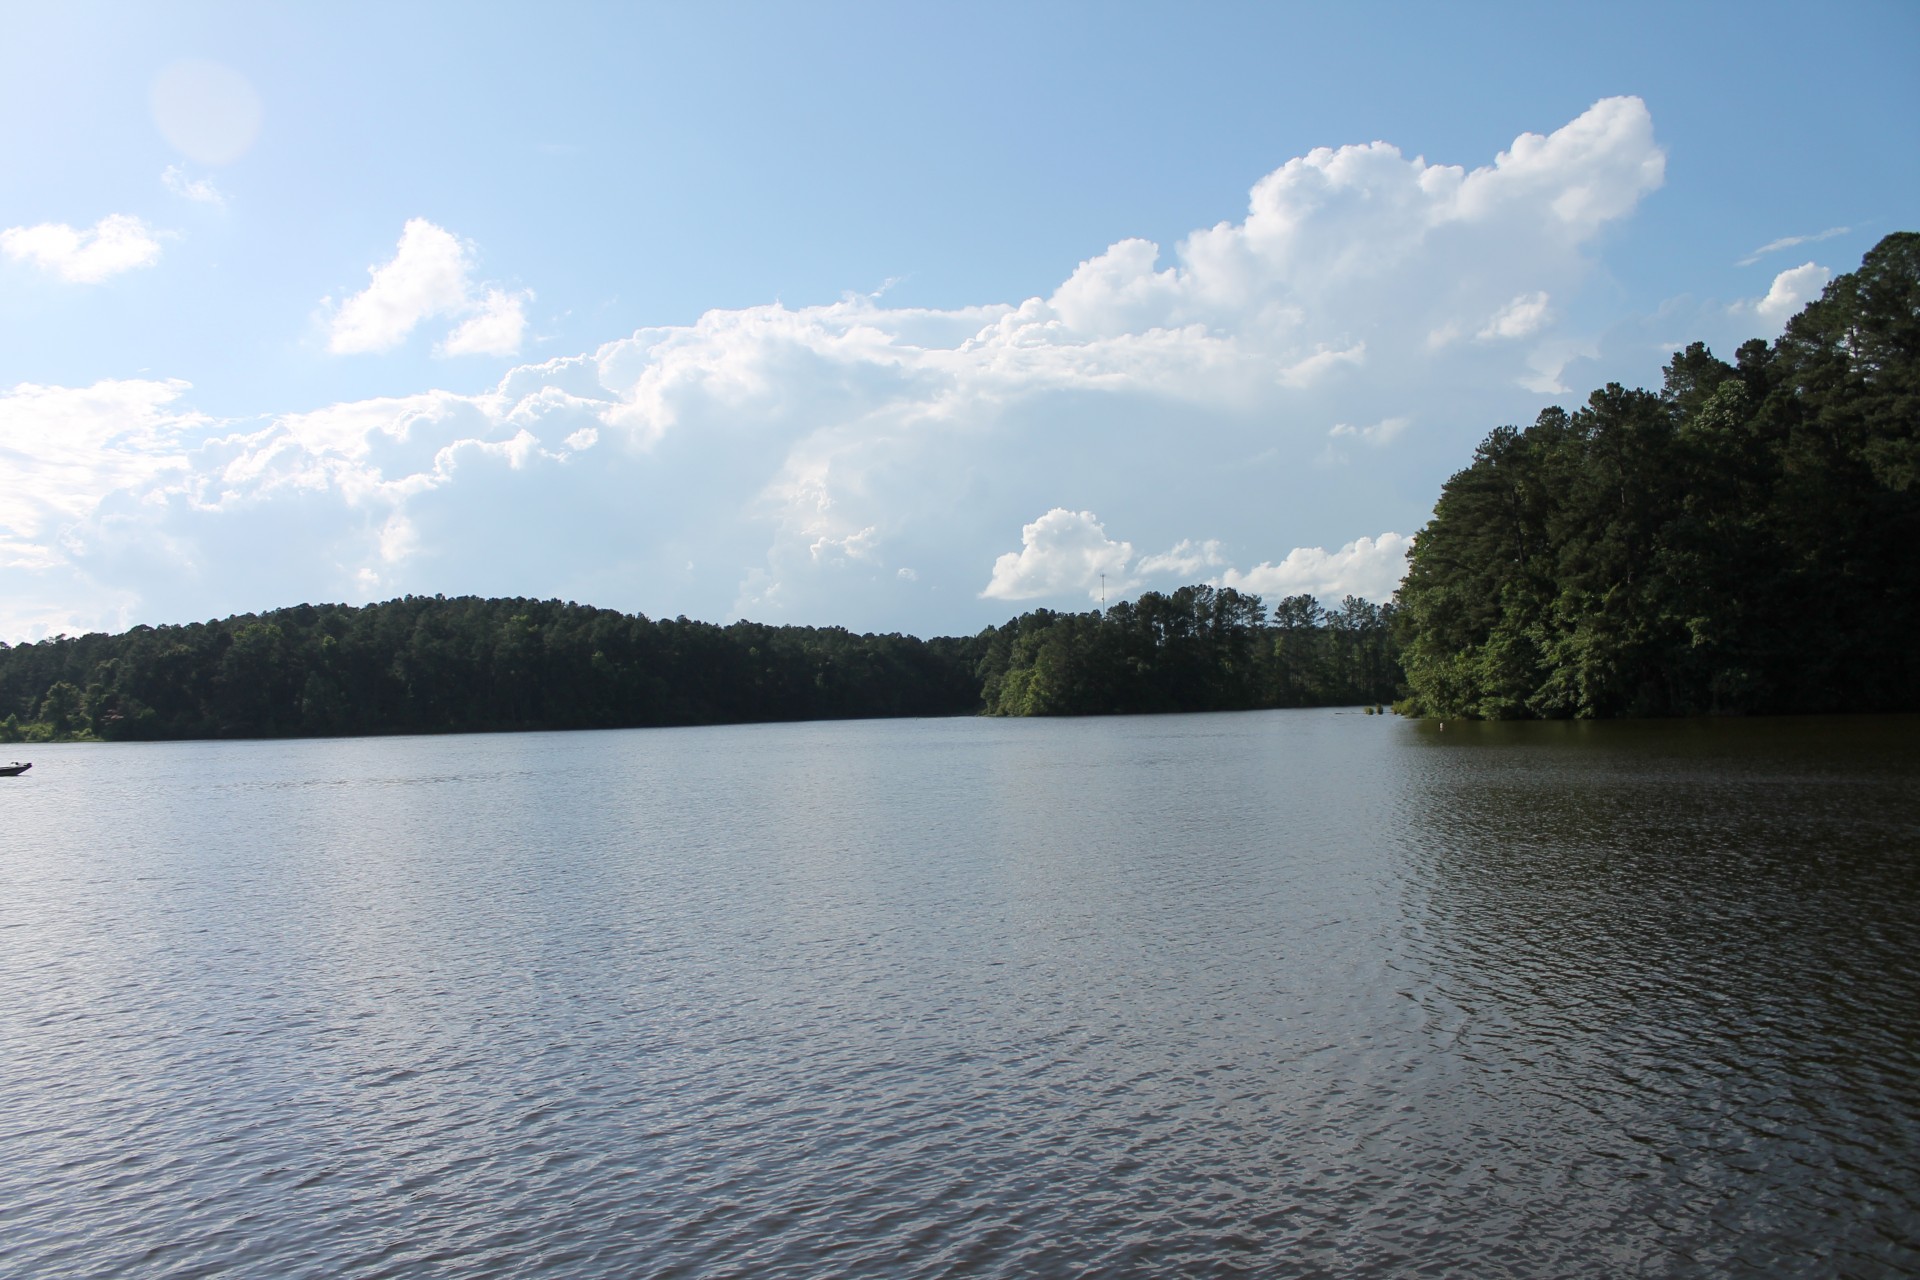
[{"x": 1273, "y": 993}]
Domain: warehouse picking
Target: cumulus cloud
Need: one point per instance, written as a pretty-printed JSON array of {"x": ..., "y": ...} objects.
[
  {"x": 1062, "y": 552},
  {"x": 859, "y": 545},
  {"x": 804, "y": 456},
  {"x": 64, "y": 449},
  {"x": 198, "y": 190},
  {"x": 1066, "y": 552},
  {"x": 426, "y": 277},
  {"x": 429, "y": 276},
  {"x": 117, "y": 243},
  {"x": 1368, "y": 567},
  {"x": 1792, "y": 289},
  {"x": 120, "y": 492}
]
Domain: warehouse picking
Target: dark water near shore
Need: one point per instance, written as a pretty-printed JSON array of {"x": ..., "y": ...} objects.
[{"x": 1275, "y": 993}]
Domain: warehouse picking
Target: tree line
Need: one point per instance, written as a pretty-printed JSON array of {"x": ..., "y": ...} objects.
[
  {"x": 1746, "y": 539},
  {"x": 1200, "y": 648},
  {"x": 430, "y": 665}
]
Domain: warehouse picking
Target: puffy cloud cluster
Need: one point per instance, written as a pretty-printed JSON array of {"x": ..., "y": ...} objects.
[
  {"x": 864, "y": 463},
  {"x": 1366, "y": 567},
  {"x": 1792, "y": 289},
  {"x": 117, "y": 243},
  {"x": 63, "y": 450},
  {"x": 429, "y": 276},
  {"x": 1065, "y": 553}
]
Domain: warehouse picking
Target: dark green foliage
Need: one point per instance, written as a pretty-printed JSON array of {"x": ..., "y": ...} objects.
[
  {"x": 1198, "y": 649},
  {"x": 429, "y": 665},
  {"x": 432, "y": 665},
  {"x": 1743, "y": 541}
]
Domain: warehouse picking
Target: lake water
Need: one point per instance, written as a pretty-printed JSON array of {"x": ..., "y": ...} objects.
[{"x": 1302, "y": 992}]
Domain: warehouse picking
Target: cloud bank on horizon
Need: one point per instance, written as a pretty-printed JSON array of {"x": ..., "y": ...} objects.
[{"x": 1242, "y": 401}]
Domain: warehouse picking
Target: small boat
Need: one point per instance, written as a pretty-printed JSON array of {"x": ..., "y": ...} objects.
[{"x": 15, "y": 769}]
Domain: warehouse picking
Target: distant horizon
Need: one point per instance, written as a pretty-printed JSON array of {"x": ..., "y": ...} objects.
[{"x": 900, "y": 322}]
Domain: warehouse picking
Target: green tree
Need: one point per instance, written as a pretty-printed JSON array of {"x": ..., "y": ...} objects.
[{"x": 1740, "y": 541}]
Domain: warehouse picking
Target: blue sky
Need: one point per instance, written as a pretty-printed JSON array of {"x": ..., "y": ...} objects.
[{"x": 898, "y": 317}]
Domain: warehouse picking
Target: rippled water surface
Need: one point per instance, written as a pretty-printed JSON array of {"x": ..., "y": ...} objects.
[{"x": 1276, "y": 993}]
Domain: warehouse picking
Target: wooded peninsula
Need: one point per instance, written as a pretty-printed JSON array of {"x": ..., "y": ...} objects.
[{"x": 1744, "y": 540}]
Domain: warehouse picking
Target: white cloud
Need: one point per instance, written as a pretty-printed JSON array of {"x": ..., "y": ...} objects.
[
  {"x": 1341, "y": 231},
  {"x": 496, "y": 328},
  {"x": 1186, "y": 559},
  {"x": 781, "y": 448},
  {"x": 64, "y": 449},
  {"x": 1792, "y": 289},
  {"x": 1376, "y": 436},
  {"x": 1065, "y": 552},
  {"x": 1589, "y": 173},
  {"x": 859, "y": 545},
  {"x": 398, "y": 539},
  {"x": 351, "y": 430},
  {"x": 128, "y": 498},
  {"x": 1061, "y": 552},
  {"x": 426, "y": 277},
  {"x": 198, "y": 190},
  {"x": 429, "y": 276},
  {"x": 1525, "y": 316},
  {"x": 118, "y": 242},
  {"x": 1789, "y": 242},
  {"x": 1366, "y": 567}
]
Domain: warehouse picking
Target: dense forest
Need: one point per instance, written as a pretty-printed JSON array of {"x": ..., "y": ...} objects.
[
  {"x": 1747, "y": 539},
  {"x": 429, "y": 665},
  {"x": 1198, "y": 649}
]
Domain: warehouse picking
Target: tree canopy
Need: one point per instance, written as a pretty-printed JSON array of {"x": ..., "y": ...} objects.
[
  {"x": 1200, "y": 648},
  {"x": 433, "y": 665},
  {"x": 427, "y": 664},
  {"x": 1742, "y": 540}
]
